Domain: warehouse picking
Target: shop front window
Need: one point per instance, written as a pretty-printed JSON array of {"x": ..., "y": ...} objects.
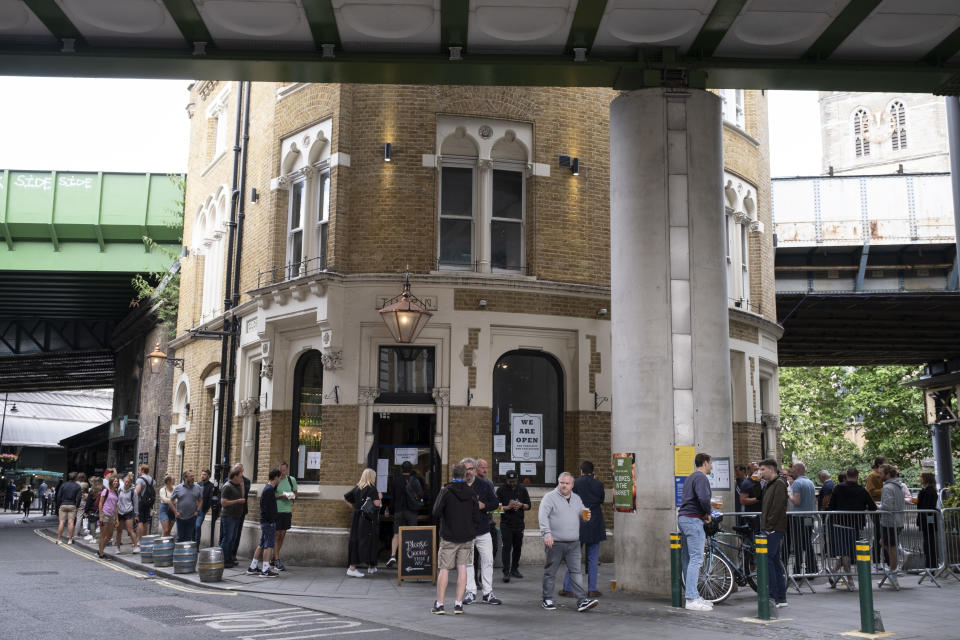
[
  {"x": 405, "y": 375},
  {"x": 307, "y": 436},
  {"x": 527, "y": 417}
]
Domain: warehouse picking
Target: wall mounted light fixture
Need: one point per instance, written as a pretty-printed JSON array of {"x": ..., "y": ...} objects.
[
  {"x": 158, "y": 358},
  {"x": 566, "y": 162},
  {"x": 387, "y": 152},
  {"x": 575, "y": 167}
]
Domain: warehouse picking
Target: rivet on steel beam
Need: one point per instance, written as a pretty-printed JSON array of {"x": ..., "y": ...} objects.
[
  {"x": 327, "y": 49},
  {"x": 455, "y": 54},
  {"x": 579, "y": 54}
]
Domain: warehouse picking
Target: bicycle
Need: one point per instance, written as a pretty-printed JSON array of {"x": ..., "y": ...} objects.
[{"x": 719, "y": 575}]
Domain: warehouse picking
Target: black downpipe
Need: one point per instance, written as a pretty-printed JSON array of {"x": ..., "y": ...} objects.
[
  {"x": 226, "y": 342},
  {"x": 235, "y": 296}
]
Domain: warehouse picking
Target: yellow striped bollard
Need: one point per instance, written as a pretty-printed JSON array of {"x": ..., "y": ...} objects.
[
  {"x": 676, "y": 568},
  {"x": 866, "y": 587},
  {"x": 763, "y": 577}
]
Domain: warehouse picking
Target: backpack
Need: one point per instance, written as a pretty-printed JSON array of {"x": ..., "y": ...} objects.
[
  {"x": 148, "y": 497},
  {"x": 414, "y": 493}
]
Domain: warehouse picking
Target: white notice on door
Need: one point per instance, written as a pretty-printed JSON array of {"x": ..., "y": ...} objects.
[
  {"x": 499, "y": 444},
  {"x": 383, "y": 470},
  {"x": 405, "y": 454},
  {"x": 550, "y": 467},
  {"x": 526, "y": 437},
  {"x": 528, "y": 468},
  {"x": 313, "y": 459},
  {"x": 507, "y": 466}
]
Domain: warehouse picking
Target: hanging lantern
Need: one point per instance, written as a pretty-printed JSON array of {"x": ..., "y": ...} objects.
[{"x": 405, "y": 315}]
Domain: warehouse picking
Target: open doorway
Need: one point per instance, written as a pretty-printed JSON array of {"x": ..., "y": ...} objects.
[{"x": 405, "y": 436}]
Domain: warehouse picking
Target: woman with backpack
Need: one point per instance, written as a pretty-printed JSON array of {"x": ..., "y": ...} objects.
[
  {"x": 365, "y": 526},
  {"x": 127, "y": 509},
  {"x": 164, "y": 514},
  {"x": 107, "y": 506}
]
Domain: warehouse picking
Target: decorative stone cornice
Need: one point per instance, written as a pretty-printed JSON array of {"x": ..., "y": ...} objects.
[
  {"x": 366, "y": 395},
  {"x": 332, "y": 359},
  {"x": 249, "y": 406},
  {"x": 266, "y": 369},
  {"x": 441, "y": 396}
]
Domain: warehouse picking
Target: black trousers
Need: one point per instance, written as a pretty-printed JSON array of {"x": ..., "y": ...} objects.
[{"x": 512, "y": 547}]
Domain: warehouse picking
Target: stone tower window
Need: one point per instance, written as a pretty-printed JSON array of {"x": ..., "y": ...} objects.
[
  {"x": 861, "y": 129},
  {"x": 898, "y": 125}
]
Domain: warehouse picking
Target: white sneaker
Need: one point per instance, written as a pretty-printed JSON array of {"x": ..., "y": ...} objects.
[
  {"x": 698, "y": 604},
  {"x": 371, "y": 571},
  {"x": 353, "y": 573},
  {"x": 136, "y": 549}
]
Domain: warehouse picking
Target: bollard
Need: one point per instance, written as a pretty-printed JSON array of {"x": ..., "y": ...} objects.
[
  {"x": 866, "y": 587},
  {"x": 763, "y": 577},
  {"x": 676, "y": 568}
]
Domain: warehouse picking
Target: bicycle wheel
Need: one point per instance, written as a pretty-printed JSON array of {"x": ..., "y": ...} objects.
[{"x": 716, "y": 578}]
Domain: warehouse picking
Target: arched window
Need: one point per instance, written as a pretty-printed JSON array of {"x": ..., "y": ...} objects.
[
  {"x": 898, "y": 126},
  {"x": 307, "y": 432},
  {"x": 861, "y": 129},
  {"x": 208, "y": 241},
  {"x": 527, "y": 417}
]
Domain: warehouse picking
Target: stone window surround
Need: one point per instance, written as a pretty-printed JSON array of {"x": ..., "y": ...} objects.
[
  {"x": 740, "y": 208},
  {"x": 209, "y": 231},
  {"x": 216, "y": 111},
  {"x": 483, "y": 134},
  {"x": 306, "y": 158}
]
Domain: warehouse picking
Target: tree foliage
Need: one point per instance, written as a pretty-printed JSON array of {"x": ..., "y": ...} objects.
[
  {"x": 163, "y": 287},
  {"x": 818, "y": 404}
]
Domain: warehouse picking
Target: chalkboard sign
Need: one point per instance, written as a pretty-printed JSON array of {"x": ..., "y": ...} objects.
[{"x": 417, "y": 556}]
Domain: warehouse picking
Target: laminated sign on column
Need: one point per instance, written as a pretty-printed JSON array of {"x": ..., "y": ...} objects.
[{"x": 526, "y": 437}]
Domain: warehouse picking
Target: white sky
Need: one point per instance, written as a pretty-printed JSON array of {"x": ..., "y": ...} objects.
[{"x": 81, "y": 124}]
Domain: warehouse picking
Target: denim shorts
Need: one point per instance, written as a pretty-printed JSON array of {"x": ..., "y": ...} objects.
[
  {"x": 268, "y": 531},
  {"x": 163, "y": 513}
]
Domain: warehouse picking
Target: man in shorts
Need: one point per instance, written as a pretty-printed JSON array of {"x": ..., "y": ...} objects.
[
  {"x": 287, "y": 492},
  {"x": 458, "y": 512},
  {"x": 68, "y": 499},
  {"x": 268, "y": 528},
  {"x": 147, "y": 497}
]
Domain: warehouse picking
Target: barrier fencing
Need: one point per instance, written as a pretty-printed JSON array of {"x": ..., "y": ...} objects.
[{"x": 822, "y": 544}]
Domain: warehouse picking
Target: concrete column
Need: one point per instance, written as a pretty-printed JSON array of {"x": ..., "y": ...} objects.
[{"x": 671, "y": 354}]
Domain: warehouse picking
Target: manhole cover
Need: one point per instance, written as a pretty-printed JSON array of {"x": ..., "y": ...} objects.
[
  {"x": 168, "y": 615},
  {"x": 38, "y": 573}
]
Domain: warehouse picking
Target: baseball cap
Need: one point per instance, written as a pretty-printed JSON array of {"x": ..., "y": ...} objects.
[{"x": 511, "y": 475}]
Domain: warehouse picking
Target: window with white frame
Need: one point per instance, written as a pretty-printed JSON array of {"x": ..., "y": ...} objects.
[
  {"x": 217, "y": 126},
  {"x": 482, "y": 200},
  {"x": 209, "y": 234},
  {"x": 732, "y": 106},
  {"x": 741, "y": 221},
  {"x": 305, "y": 173}
]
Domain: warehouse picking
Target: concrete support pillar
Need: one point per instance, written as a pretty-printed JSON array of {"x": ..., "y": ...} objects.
[{"x": 671, "y": 354}]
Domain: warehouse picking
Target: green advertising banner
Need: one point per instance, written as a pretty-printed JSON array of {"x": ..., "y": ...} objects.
[{"x": 624, "y": 482}]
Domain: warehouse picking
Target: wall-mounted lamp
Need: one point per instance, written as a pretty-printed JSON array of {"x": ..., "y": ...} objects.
[
  {"x": 405, "y": 315},
  {"x": 158, "y": 358},
  {"x": 387, "y": 152},
  {"x": 602, "y": 312},
  {"x": 566, "y": 162},
  {"x": 575, "y": 167},
  {"x": 254, "y": 196},
  {"x": 184, "y": 252},
  {"x": 482, "y": 303}
]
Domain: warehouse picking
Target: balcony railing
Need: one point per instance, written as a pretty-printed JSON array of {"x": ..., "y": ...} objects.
[{"x": 291, "y": 271}]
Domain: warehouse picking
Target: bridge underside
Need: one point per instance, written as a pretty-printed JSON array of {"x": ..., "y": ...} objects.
[
  {"x": 823, "y": 329},
  {"x": 57, "y": 328}
]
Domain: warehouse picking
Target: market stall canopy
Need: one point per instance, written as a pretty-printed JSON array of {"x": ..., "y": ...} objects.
[
  {"x": 44, "y": 419},
  {"x": 853, "y": 45}
]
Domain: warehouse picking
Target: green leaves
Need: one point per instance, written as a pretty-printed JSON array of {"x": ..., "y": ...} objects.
[{"x": 834, "y": 417}]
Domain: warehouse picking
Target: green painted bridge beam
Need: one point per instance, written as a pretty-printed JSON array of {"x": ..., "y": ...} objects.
[
  {"x": 55, "y": 20},
  {"x": 719, "y": 21},
  {"x": 586, "y": 23},
  {"x": 622, "y": 73},
  {"x": 454, "y": 25},
  {"x": 842, "y": 26},
  {"x": 188, "y": 20},
  {"x": 323, "y": 24},
  {"x": 116, "y": 257}
]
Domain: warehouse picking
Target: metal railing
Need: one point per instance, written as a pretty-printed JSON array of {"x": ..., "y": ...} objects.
[
  {"x": 291, "y": 271},
  {"x": 821, "y": 544}
]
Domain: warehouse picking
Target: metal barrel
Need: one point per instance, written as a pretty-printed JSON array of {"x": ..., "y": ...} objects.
[
  {"x": 210, "y": 564},
  {"x": 146, "y": 548},
  {"x": 163, "y": 552},
  {"x": 185, "y": 557}
]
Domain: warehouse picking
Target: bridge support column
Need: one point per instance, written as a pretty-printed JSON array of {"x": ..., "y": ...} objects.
[{"x": 671, "y": 355}]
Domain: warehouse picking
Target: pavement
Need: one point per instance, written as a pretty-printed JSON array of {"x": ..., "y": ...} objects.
[{"x": 916, "y": 611}]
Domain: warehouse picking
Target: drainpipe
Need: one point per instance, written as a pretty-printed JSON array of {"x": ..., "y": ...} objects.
[{"x": 235, "y": 296}]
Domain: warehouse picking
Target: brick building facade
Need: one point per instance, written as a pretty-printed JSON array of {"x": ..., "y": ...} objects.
[{"x": 509, "y": 250}]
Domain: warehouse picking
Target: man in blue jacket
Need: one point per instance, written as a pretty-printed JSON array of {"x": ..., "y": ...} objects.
[
  {"x": 592, "y": 531},
  {"x": 483, "y": 541}
]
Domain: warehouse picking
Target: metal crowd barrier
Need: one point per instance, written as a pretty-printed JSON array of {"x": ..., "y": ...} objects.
[{"x": 821, "y": 544}]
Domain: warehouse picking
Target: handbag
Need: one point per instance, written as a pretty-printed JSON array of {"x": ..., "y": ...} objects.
[{"x": 368, "y": 509}]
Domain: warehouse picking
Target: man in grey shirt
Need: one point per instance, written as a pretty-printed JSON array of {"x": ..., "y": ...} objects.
[
  {"x": 560, "y": 513},
  {"x": 187, "y": 500},
  {"x": 803, "y": 497}
]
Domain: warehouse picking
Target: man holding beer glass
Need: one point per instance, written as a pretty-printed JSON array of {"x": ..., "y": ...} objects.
[{"x": 560, "y": 514}]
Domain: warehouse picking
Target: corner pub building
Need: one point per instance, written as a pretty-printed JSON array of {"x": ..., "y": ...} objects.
[{"x": 497, "y": 200}]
